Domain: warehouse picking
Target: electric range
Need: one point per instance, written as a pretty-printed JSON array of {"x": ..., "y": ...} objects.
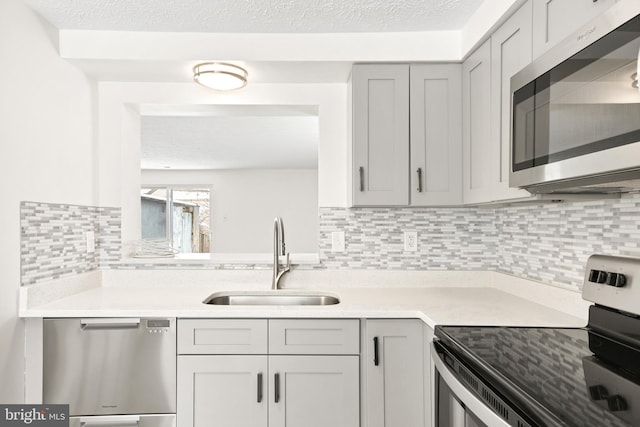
[{"x": 549, "y": 376}]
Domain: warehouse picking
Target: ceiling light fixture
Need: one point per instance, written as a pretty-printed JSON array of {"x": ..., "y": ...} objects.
[{"x": 220, "y": 76}]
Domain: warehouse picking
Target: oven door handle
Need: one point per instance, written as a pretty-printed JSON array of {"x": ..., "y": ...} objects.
[{"x": 469, "y": 400}]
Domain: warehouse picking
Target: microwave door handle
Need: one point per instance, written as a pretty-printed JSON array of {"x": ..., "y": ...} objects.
[
  {"x": 124, "y": 323},
  {"x": 111, "y": 420}
]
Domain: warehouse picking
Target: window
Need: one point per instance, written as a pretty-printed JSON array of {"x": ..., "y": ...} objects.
[{"x": 178, "y": 215}]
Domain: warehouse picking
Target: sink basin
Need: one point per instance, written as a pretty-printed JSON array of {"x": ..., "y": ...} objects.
[{"x": 270, "y": 298}]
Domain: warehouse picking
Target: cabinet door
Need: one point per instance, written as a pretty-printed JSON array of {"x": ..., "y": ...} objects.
[
  {"x": 380, "y": 135},
  {"x": 553, "y": 20},
  {"x": 510, "y": 52},
  {"x": 478, "y": 166},
  {"x": 394, "y": 380},
  {"x": 230, "y": 391},
  {"x": 314, "y": 391},
  {"x": 436, "y": 135}
]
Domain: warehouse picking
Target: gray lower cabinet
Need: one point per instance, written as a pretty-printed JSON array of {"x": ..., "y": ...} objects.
[
  {"x": 314, "y": 391},
  {"x": 222, "y": 390},
  {"x": 393, "y": 377},
  {"x": 308, "y": 374}
]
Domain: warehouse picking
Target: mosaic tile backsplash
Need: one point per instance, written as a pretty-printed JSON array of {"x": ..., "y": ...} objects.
[
  {"x": 53, "y": 241},
  {"x": 548, "y": 242},
  {"x": 545, "y": 242},
  {"x": 448, "y": 239}
]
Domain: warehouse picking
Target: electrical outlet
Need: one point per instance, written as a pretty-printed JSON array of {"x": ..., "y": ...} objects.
[
  {"x": 410, "y": 241},
  {"x": 91, "y": 241},
  {"x": 337, "y": 241}
]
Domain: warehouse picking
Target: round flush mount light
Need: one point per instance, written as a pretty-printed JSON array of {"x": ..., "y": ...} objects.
[{"x": 220, "y": 76}]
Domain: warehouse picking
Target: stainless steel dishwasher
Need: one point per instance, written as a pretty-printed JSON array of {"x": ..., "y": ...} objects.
[{"x": 115, "y": 371}]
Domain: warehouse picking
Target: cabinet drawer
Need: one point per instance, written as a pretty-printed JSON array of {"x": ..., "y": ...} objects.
[
  {"x": 314, "y": 336},
  {"x": 222, "y": 336}
]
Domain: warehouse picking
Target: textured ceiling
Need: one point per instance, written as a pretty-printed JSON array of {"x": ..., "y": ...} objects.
[
  {"x": 258, "y": 16},
  {"x": 242, "y": 142}
]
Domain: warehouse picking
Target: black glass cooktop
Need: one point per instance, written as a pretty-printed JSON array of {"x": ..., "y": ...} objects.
[{"x": 579, "y": 376}]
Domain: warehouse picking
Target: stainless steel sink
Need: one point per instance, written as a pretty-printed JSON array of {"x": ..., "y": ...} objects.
[{"x": 270, "y": 298}]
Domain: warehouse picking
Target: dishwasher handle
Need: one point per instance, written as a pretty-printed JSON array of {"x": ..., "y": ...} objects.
[
  {"x": 116, "y": 323},
  {"x": 111, "y": 420}
]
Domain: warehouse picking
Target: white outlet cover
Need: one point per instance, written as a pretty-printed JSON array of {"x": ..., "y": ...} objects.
[
  {"x": 337, "y": 241},
  {"x": 91, "y": 241},
  {"x": 410, "y": 241}
]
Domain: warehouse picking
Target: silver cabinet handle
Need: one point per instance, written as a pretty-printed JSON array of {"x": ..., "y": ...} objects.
[
  {"x": 361, "y": 170},
  {"x": 276, "y": 387},
  {"x": 419, "y": 180},
  {"x": 111, "y": 420},
  {"x": 109, "y": 323},
  {"x": 259, "y": 387}
]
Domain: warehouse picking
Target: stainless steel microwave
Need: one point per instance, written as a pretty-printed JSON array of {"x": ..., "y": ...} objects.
[{"x": 576, "y": 110}]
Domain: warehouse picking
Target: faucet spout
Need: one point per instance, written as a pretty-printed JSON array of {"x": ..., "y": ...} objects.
[{"x": 278, "y": 249}]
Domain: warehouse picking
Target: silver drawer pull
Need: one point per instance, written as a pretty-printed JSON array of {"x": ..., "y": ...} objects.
[
  {"x": 111, "y": 420},
  {"x": 109, "y": 323}
]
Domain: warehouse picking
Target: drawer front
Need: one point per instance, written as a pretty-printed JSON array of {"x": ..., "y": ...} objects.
[
  {"x": 314, "y": 336},
  {"x": 222, "y": 336}
]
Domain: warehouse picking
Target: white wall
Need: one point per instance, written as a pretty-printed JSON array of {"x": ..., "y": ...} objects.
[
  {"x": 245, "y": 202},
  {"x": 46, "y": 136}
]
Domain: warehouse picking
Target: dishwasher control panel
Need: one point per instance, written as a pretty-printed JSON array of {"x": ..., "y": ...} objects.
[{"x": 158, "y": 326}]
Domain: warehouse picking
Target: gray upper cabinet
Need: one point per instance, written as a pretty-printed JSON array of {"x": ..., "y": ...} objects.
[
  {"x": 380, "y": 100},
  {"x": 393, "y": 388},
  {"x": 486, "y": 94},
  {"x": 406, "y": 132},
  {"x": 479, "y": 166},
  {"x": 510, "y": 52},
  {"x": 436, "y": 134},
  {"x": 553, "y": 20}
]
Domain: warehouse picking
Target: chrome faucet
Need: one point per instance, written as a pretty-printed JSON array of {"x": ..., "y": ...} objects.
[{"x": 278, "y": 249}]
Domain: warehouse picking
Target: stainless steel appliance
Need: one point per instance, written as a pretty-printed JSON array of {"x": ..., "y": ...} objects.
[
  {"x": 549, "y": 377},
  {"x": 576, "y": 110},
  {"x": 115, "y": 371}
]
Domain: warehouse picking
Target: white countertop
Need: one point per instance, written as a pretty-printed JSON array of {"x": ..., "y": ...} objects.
[{"x": 487, "y": 300}]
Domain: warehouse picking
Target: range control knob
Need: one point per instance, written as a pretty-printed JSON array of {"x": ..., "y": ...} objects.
[
  {"x": 598, "y": 392},
  {"x": 617, "y": 403},
  {"x": 593, "y": 276},
  {"x": 616, "y": 279},
  {"x": 602, "y": 277}
]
